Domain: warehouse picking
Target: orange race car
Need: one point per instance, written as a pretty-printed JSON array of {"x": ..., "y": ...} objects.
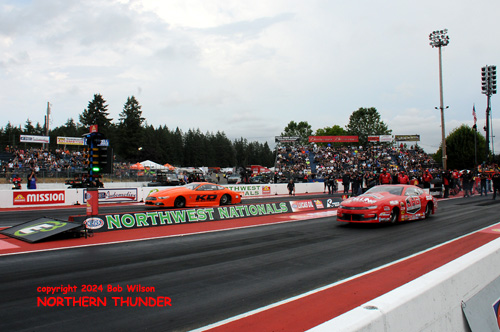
[{"x": 192, "y": 195}]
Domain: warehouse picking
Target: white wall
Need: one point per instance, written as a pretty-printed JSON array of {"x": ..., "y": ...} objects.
[
  {"x": 75, "y": 196},
  {"x": 432, "y": 302}
]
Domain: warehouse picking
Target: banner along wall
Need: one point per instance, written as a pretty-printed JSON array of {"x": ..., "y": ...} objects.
[{"x": 153, "y": 218}]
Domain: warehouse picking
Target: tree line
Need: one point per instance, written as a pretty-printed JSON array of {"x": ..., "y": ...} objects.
[{"x": 133, "y": 140}]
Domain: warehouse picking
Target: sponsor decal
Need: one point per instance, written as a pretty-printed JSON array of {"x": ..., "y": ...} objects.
[
  {"x": 206, "y": 198},
  {"x": 496, "y": 308},
  {"x": 375, "y": 196},
  {"x": 413, "y": 204},
  {"x": 319, "y": 204},
  {"x": 114, "y": 195},
  {"x": 387, "y": 208},
  {"x": 331, "y": 204},
  {"x": 364, "y": 199},
  {"x": 266, "y": 190},
  {"x": 152, "y": 191},
  {"x": 302, "y": 206},
  {"x": 384, "y": 216},
  {"x": 39, "y": 197},
  {"x": 394, "y": 202},
  {"x": 94, "y": 223},
  {"x": 45, "y": 226}
]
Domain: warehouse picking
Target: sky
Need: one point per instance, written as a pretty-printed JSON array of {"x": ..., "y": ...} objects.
[{"x": 248, "y": 68}]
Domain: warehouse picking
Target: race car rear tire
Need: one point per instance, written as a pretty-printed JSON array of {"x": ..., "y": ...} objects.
[
  {"x": 225, "y": 199},
  {"x": 180, "y": 202},
  {"x": 428, "y": 210},
  {"x": 394, "y": 216}
]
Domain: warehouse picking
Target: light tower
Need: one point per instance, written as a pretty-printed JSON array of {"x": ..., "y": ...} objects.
[
  {"x": 439, "y": 39},
  {"x": 488, "y": 87}
]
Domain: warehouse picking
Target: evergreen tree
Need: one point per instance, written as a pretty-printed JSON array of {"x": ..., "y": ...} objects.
[
  {"x": 130, "y": 130},
  {"x": 224, "y": 150},
  {"x": 28, "y": 128},
  {"x": 11, "y": 135},
  {"x": 178, "y": 151},
  {"x": 97, "y": 114}
]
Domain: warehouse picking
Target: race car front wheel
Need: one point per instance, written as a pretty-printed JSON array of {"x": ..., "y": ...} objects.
[
  {"x": 225, "y": 199},
  {"x": 180, "y": 202},
  {"x": 428, "y": 210},
  {"x": 394, "y": 216}
]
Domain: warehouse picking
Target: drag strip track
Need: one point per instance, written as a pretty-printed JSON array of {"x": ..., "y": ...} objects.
[{"x": 213, "y": 276}]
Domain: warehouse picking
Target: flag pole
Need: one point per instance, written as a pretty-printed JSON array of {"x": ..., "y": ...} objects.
[{"x": 475, "y": 134}]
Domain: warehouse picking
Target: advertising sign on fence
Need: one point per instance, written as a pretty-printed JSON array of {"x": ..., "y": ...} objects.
[
  {"x": 38, "y": 197},
  {"x": 115, "y": 195},
  {"x": 34, "y": 139}
]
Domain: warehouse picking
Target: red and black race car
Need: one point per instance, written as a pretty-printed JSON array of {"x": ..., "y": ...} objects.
[{"x": 388, "y": 203}]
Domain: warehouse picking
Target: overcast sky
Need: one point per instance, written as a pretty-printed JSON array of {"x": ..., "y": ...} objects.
[{"x": 248, "y": 68}]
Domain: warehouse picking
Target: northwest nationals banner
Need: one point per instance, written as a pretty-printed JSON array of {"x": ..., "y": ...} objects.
[{"x": 153, "y": 218}]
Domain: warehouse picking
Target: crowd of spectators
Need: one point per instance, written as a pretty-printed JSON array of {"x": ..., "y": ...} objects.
[
  {"x": 359, "y": 168},
  {"x": 320, "y": 161},
  {"x": 39, "y": 159},
  {"x": 356, "y": 167}
]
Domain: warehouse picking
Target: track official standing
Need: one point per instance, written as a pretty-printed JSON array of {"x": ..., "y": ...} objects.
[
  {"x": 291, "y": 187},
  {"x": 403, "y": 178},
  {"x": 427, "y": 178},
  {"x": 496, "y": 182},
  {"x": 384, "y": 177}
]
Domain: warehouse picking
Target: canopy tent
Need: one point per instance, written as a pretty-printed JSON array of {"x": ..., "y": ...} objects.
[
  {"x": 137, "y": 166},
  {"x": 152, "y": 164},
  {"x": 169, "y": 167}
]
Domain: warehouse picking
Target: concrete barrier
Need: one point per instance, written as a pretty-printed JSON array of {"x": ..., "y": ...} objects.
[
  {"x": 432, "y": 302},
  {"x": 58, "y": 195}
]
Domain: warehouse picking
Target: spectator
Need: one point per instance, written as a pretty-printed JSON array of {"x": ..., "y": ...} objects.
[
  {"x": 483, "y": 177},
  {"x": 291, "y": 187},
  {"x": 467, "y": 183},
  {"x": 32, "y": 180},
  {"x": 495, "y": 178},
  {"x": 447, "y": 179},
  {"x": 346, "y": 182}
]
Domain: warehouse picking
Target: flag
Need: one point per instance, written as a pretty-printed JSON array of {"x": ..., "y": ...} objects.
[{"x": 474, "y": 113}]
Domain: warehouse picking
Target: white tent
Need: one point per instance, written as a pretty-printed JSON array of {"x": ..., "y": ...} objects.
[{"x": 152, "y": 164}]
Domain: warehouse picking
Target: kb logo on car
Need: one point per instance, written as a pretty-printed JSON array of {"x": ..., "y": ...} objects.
[{"x": 204, "y": 198}]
